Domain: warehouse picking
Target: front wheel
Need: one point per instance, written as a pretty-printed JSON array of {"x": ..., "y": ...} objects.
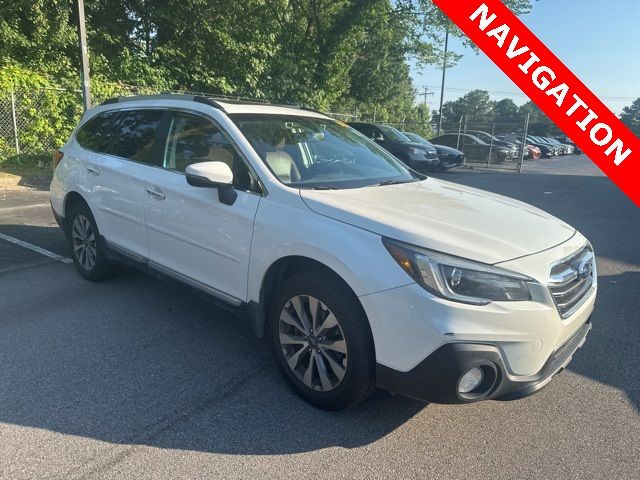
[{"x": 322, "y": 341}]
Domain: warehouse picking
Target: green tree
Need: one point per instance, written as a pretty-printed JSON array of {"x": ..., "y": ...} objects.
[
  {"x": 476, "y": 105},
  {"x": 506, "y": 111},
  {"x": 317, "y": 52},
  {"x": 539, "y": 123},
  {"x": 39, "y": 35},
  {"x": 631, "y": 117}
]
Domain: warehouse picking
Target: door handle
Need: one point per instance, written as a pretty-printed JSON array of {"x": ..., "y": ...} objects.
[
  {"x": 155, "y": 193},
  {"x": 93, "y": 170}
]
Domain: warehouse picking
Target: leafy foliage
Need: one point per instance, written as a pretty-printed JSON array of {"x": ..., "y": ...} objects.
[
  {"x": 340, "y": 54},
  {"x": 631, "y": 116}
]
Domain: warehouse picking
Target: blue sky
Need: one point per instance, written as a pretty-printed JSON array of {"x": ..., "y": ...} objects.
[{"x": 599, "y": 40}]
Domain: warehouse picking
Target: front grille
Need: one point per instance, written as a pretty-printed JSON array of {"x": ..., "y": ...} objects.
[{"x": 572, "y": 280}]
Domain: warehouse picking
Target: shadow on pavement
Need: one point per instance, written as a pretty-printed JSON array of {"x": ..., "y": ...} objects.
[
  {"x": 611, "y": 355},
  {"x": 136, "y": 360}
]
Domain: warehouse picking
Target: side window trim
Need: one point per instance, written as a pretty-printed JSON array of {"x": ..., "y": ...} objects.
[
  {"x": 164, "y": 135},
  {"x": 157, "y": 152},
  {"x": 113, "y": 134}
]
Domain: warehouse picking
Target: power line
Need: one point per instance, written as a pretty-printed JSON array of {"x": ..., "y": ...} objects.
[{"x": 516, "y": 94}]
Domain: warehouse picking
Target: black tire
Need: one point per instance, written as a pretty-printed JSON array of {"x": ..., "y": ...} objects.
[
  {"x": 359, "y": 379},
  {"x": 101, "y": 268}
]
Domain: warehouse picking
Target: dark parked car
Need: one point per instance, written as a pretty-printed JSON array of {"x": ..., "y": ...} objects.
[
  {"x": 474, "y": 148},
  {"x": 566, "y": 140},
  {"x": 449, "y": 157},
  {"x": 495, "y": 141},
  {"x": 562, "y": 149},
  {"x": 546, "y": 148},
  {"x": 568, "y": 149},
  {"x": 415, "y": 155},
  {"x": 531, "y": 151}
]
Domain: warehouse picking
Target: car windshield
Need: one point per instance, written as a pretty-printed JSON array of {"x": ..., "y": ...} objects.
[
  {"x": 394, "y": 134},
  {"x": 319, "y": 153},
  {"x": 417, "y": 138},
  {"x": 475, "y": 139},
  {"x": 486, "y": 137}
]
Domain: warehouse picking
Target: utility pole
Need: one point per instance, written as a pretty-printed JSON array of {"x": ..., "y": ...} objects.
[
  {"x": 425, "y": 93},
  {"x": 444, "y": 71},
  {"x": 84, "y": 57}
]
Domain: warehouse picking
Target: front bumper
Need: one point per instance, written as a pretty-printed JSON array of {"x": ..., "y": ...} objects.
[
  {"x": 451, "y": 161},
  {"x": 424, "y": 160},
  {"x": 436, "y": 378}
]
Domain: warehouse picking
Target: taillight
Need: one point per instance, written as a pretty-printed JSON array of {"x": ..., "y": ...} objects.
[{"x": 57, "y": 157}]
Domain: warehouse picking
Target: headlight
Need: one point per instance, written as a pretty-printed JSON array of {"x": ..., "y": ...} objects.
[
  {"x": 417, "y": 151},
  {"x": 459, "y": 279}
]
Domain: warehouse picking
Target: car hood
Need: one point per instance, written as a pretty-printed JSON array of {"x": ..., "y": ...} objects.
[
  {"x": 446, "y": 217},
  {"x": 448, "y": 150}
]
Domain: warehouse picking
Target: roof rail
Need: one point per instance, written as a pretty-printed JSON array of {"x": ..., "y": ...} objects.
[
  {"x": 213, "y": 100},
  {"x": 133, "y": 98}
]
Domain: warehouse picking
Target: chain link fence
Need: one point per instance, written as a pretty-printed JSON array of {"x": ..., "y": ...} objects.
[
  {"x": 488, "y": 142},
  {"x": 35, "y": 123}
]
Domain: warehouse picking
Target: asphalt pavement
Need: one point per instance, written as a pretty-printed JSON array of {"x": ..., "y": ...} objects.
[{"x": 139, "y": 378}]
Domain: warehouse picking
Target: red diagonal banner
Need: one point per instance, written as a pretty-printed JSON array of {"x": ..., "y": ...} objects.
[{"x": 551, "y": 86}]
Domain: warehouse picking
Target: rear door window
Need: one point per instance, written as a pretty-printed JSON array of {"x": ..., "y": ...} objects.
[
  {"x": 136, "y": 135},
  {"x": 448, "y": 140},
  {"x": 96, "y": 135}
]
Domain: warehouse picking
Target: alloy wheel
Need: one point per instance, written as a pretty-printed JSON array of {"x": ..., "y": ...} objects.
[
  {"x": 84, "y": 242},
  {"x": 313, "y": 343}
]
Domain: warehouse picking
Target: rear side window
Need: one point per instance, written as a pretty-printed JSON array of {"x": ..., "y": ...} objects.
[
  {"x": 95, "y": 134},
  {"x": 136, "y": 134},
  {"x": 446, "y": 140}
]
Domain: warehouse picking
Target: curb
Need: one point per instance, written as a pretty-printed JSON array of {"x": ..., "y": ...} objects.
[{"x": 16, "y": 182}]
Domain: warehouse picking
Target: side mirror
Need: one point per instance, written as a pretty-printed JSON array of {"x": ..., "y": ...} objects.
[
  {"x": 213, "y": 175},
  {"x": 378, "y": 137}
]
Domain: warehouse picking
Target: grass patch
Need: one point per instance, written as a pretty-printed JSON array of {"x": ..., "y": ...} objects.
[{"x": 25, "y": 165}]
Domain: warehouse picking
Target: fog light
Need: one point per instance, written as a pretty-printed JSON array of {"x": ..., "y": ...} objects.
[{"x": 470, "y": 380}]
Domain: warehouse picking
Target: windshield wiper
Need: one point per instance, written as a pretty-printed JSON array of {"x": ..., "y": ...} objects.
[
  {"x": 389, "y": 182},
  {"x": 323, "y": 187}
]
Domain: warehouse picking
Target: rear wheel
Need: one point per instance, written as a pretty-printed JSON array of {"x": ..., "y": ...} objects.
[
  {"x": 322, "y": 341},
  {"x": 86, "y": 246}
]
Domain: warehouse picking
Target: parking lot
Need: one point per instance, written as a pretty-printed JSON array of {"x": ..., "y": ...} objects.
[{"x": 139, "y": 377}]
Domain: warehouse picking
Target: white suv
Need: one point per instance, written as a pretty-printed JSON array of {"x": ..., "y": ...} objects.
[{"x": 362, "y": 272}]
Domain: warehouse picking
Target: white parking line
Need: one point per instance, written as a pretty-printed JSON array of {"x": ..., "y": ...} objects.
[
  {"x": 22, "y": 207},
  {"x": 35, "y": 248}
]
